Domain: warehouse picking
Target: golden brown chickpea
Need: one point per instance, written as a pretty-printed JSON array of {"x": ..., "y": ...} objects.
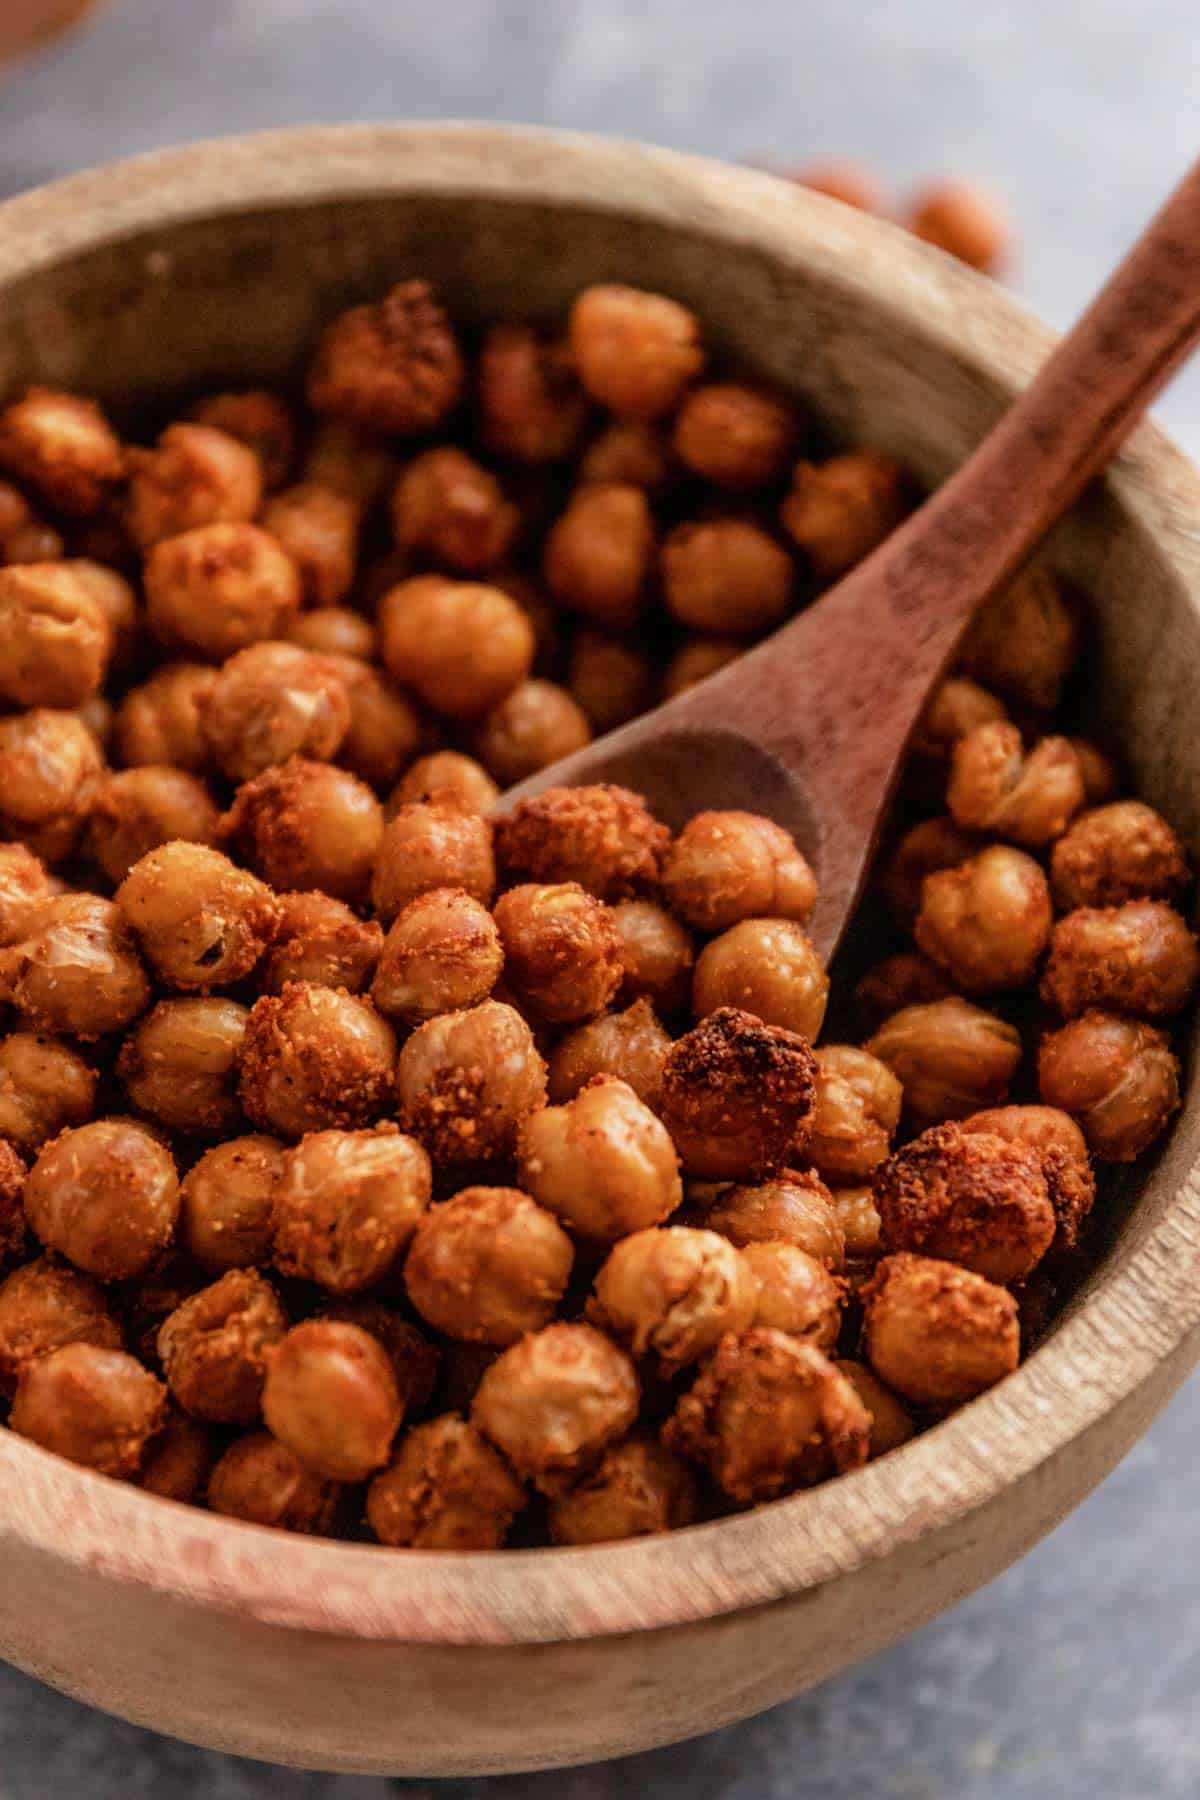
[
  {"x": 796, "y": 1208},
  {"x": 609, "y": 678},
  {"x": 737, "y": 1095},
  {"x": 45, "y": 1086},
  {"x": 734, "y": 436},
  {"x": 117, "y": 601},
  {"x": 602, "y": 1163},
  {"x": 318, "y": 528},
  {"x": 331, "y": 1396},
  {"x": 950, "y": 1058},
  {"x": 172, "y": 1279},
  {"x": 604, "y": 837},
  {"x": 415, "y": 1361},
  {"x": 214, "y": 1347},
  {"x": 1116, "y": 1077},
  {"x": 768, "y": 967},
  {"x": 638, "y": 1488},
  {"x": 796, "y": 1293},
  {"x": 461, "y": 646},
  {"x": 99, "y": 1408},
  {"x": 996, "y": 786},
  {"x": 62, "y": 447},
  {"x": 202, "y": 922},
  {"x": 432, "y": 844},
  {"x": 353, "y": 463},
  {"x": 448, "y": 777},
  {"x": 1026, "y": 640},
  {"x": 838, "y": 511},
  {"x": 858, "y": 1109},
  {"x": 261, "y": 1480},
  {"x": 531, "y": 405},
  {"x": 24, "y": 537},
  {"x": 931, "y": 846},
  {"x": 1102, "y": 780},
  {"x": 963, "y": 221},
  {"x": 385, "y": 727},
  {"x": 905, "y": 979},
  {"x": 630, "y": 1045},
  {"x": 270, "y": 702},
  {"x": 334, "y": 631},
  {"x": 891, "y": 1425},
  {"x": 971, "y": 1198},
  {"x": 178, "y": 1460},
  {"x": 535, "y": 725},
  {"x": 57, "y": 638},
  {"x": 635, "y": 351},
  {"x": 1137, "y": 958},
  {"x": 106, "y": 1196},
  {"x": 347, "y": 1204},
  {"x": 442, "y": 953},
  {"x": 308, "y": 825},
  {"x": 445, "y": 1489},
  {"x": 1058, "y": 1142},
  {"x": 449, "y": 508},
  {"x": 195, "y": 477},
  {"x": 393, "y": 367},
  {"x": 674, "y": 1291},
  {"x": 159, "y": 722},
  {"x": 598, "y": 554},
  {"x": 97, "y": 714},
  {"x": 555, "y": 1401},
  {"x": 657, "y": 953},
  {"x": 137, "y": 810},
  {"x": 319, "y": 939},
  {"x": 936, "y": 1333},
  {"x": 315, "y": 1059},
  {"x": 488, "y": 1265},
  {"x": 45, "y": 1305},
  {"x": 220, "y": 588},
  {"x": 631, "y": 453},
  {"x": 769, "y": 1414},
  {"x": 179, "y": 1065},
  {"x": 1111, "y": 854},
  {"x": 50, "y": 768},
  {"x": 728, "y": 866},
  {"x": 986, "y": 922},
  {"x": 78, "y": 972},
  {"x": 226, "y": 1200},
  {"x": 260, "y": 420},
  {"x": 465, "y": 1081},
  {"x": 12, "y": 1213},
  {"x": 698, "y": 658},
  {"x": 846, "y": 181},
  {"x": 562, "y": 956},
  {"x": 25, "y": 887},
  {"x": 726, "y": 576},
  {"x": 957, "y": 707}
]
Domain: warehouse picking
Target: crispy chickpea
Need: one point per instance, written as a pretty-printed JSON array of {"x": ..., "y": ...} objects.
[
  {"x": 905, "y": 979},
  {"x": 334, "y": 631},
  {"x": 598, "y": 554},
  {"x": 220, "y": 588},
  {"x": 530, "y": 402},
  {"x": 657, "y": 954},
  {"x": 488, "y": 1265},
  {"x": 1116, "y": 1077},
  {"x": 394, "y": 367},
  {"x": 12, "y": 1213},
  {"x": 795, "y": 1208},
  {"x": 986, "y": 922},
  {"x": 461, "y": 646},
  {"x": 637, "y": 1489},
  {"x": 630, "y": 1045},
  {"x": 555, "y": 1401},
  {"x": 50, "y": 768},
  {"x": 262, "y": 1481},
  {"x": 315, "y": 1059},
  {"x": 415, "y": 1361},
  {"x": 1102, "y": 780},
  {"x": 737, "y": 1095},
  {"x": 562, "y": 956},
  {"x": 272, "y": 701},
  {"x": 971, "y": 1198},
  {"x": 602, "y": 1163},
  {"x": 796, "y": 1293},
  {"x": 319, "y": 939},
  {"x": 1026, "y": 640},
  {"x": 1136, "y": 958},
  {"x": 726, "y": 576},
  {"x": 159, "y": 722},
  {"x": 353, "y": 463},
  {"x": 57, "y": 638},
  {"x": 385, "y": 727},
  {"x": 936, "y": 1333},
  {"x": 696, "y": 660},
  {"x": 734, "y": 436},
  {"x": 769, "y": 1414},
  {"x": 442, "y": 953},
  {"x": 45, "y": 1086},
  {"x": 1057, "y": 1141},
  {"x": 604, "y": 837},
  {"x": 226, "y": 1202},
  {"x": 331, "y": 1396},
  {"x": 260, "y": 420},
  {"x": 25, "y": 887},
  {"x": 950, "y": 1058},
  {"x": 996, "y": 786},
  {"x": 728, "y": 866},
  {"x": 308, "y": 825},
  {"x": 78, "y": 972},
  {"x": 674, "y": 1291},
  {"x": 106, "y": 1196},
  {"x": 861, "y": 1225},
  {"x": 1112, "y": 854},
  {"x": 449, "y": 508},
  {"x": 609, "y": 678},
  {"x": 635, "y": 351},
  {"x": 117, "y": 602},
  {"x": 448, "y": 777},
  {"x": 62, "y": 446},
  {"x": 838, "y": 511},
  {"x": 137, "y": 810},
  {"x": 24, "y": 537},
  {"x": 179, "y": 1065},
  {"x": 957, "y": 707},
  {"x": 195, "y": 477},
  {"x": 318, "y": 529},
  {"x": 465, "y": 1081},
  {"x": 432, "y": 844},
  {"x": 347, "y": 1204},
  {"x": 857, "y": 1112},
  {"x": 929, "y": 847},
  {"x": 891, "y": 1425},
  {"x": 96, "y": 1407},
  {"x": 445, "y": 1489},
  {"x": 213, "y": 1347},
  {"x": 535, "y": 725},
  {"x": 45, "y": 1305},
  {"x": 178, "y": 1459},
  {"x": 965, "y": 222},
  {"x": 768, "y": 967},
  {"x": 630, "y": 452},
  {"x": 202, "y": 923}
]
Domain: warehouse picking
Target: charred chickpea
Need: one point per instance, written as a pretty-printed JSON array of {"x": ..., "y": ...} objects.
[
  {"x": 78, "y": 972},
  {"x": 488, "y": 1266},
  {"x": 737, "y": 1095},
  {"x": 226, "y": 1201},
  {"x": 213, "y": 1348},
  {"x": 891, "y": 1424},
  {"x": 986, "y": 922},
  {"x": 957, "y": 707},
  {"x": 201, "y": 922},
  {"x": 393, "y": 367},
  {"x": 796, "y": 1293},
  {"x": 857, "y": 1111},
  {"x": 936, "y": 1333},
  {"x": 635, "y": 351},
  {"x": 318, "y": 529},
  {"x": 530, "y": 402},
  {"x": 459, "y": 645},
  {"x": 25, "y": 886},
  {"x": 726, "y": 576},
  {"x": 50, "y": 768},
  {"x": 45, "y": 1305},
  {"x": 57, "y": 638},
  {"x": 24, "y": 537},
  {"x": 260, "y": 420},
  {"x": 219, "y": 588},
  {"x": 105, "y": 1196},
  {"x": 466, "y": 1080},
  {"x": 657, "y": 954},
  {"x": 728, "y": 866},
  {"x": 598, "y": 553},
  {"x": 637, "y": 1489},
  {"x": 950, "y": 1058},
  {"x": 432, "y": 844},
  {"x": 179, "y": 1065},
  {"x": 604, "y": 837},
  {"x": 385, "y": 727},
  {"x": 838, "y": 511},
  {"x": 795, "y": 1208},
  {"x": 696, "y": 660},
  {"x": 96, "y": 1407},
  {"x": 1136, "y": 958},
  {"x": 768, "y": 967},
  {"x": 444, "y": 1489},
  {"x": 159, "y": 722},
  {"x": 562, "y": 955},
  {"x": 331, "y": 1396},
  {"x": 674, "y": 1291},
  {"x": 630, "y": 1045},
  {"x": 443, "y": 952},
  {"x": 735, "y": 436},
  {"x": 319, "y": 939},
  {"x": 631, "y": 452},
  {"x": 535, "y": 725},
  {"x": 137, "y": 810},
  {"x": 334, "y": 631},
  {"x": 261, "y": 1480},
  {"x": 45, "y": 1086},
  {"x": 926, "y": 849},
  {"x": 609, "y": 678},
  {"x": 195, "y": 477},
  {"x": 346, "y": 1206},
  {"x": 308, "y": 825},
  {"x": 996, "y": 786},
  {"x": 446, "y": 776},
  {"x": 1112, "y": 854},
  {"x": 965, "y": 222},
  {"x": 449, "y": 508},
  {"x": 555, "y": 1401},
  {"x": 356, "y": 464},
  {"x": 1116, "y": 1077},
  {"x": 602, "y": 1163},
  {"x": 178, "y": 1459},
  {"x": 971, "y": 1198},
  {"x": 272, "y": 701},
  {"x": 62, "y": 446},
  {"x": 315, "y": 1059},
  {"x": 1060, "y": 1145},
  {"x": 1026, "y": 640}
]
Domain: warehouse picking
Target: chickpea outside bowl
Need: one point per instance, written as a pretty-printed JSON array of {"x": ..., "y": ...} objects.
[{"x": 210, "y": 271}]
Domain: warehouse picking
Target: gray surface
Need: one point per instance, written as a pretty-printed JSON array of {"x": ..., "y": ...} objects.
[{"x": 1075, "y": 1675}]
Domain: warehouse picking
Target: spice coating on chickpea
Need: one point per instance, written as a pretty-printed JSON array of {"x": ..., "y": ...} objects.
[
  {"x": 201, "y": 922},
  {"x": 78, "y": 973},
  {"x": 1116, "y": 1077},
  {"x": 442, "y": 953},
  {"x": 12, "y": 1215},
  {"x": 346, "y": 1206},
  {"x": 768, "y": 967},
  {"x": 795, "y": 1208},
  {"x": 554, "y": 1402},
  {"x": 562, "y": 956},
  {"x": 996, "y": 786},
  {"x": 226, "y": 1201},
  {"x": 936, "y": 1333},
  {"x": 261, "y": 1480},
  {"x": 319, "y": 939},
  {"x": 96, "y": 1407},
  {"x": 1137, "y": 958},
  {"x": 446, "y": 1488},
  {"x": 45, "y": 1086},
  {"x": 986, "y": 922},
  {"x": 260, "y": 420},
  {"x": 106, "y": 1196},
  {"x": 62, "y": 446},
  {"x": 137, "y": 810},
  {"x": 272, "y": 701},
  {"x": 738, "y": 1096},
  {"x": 637, "y": 1489},
  {"x": 951, "y": 1058},
  {"x": 50, "y": 768},
  {"x": 57, "y": 639},
  {"x": 726, "y": 577},
  {"x": 857, "y": 1111},
  {"x": 635, "y": 351},
  {"x": 531, "y": 405},
  {"x": 394, "y": 367},
  {"x": 603, "y": 1163},
  {"x": 318, "y": 529},
  {"x": 315, "y": 1059},
  {"x": 971, "y": 1198},
  {"x": 604, "y": 837},
  {"x": 309, "y": 825},
  {"x": 430, "y": 844},
  {"x": 331, "y": 1396},
  {"x": 630, "y": 1045},
  {"x": 213, "y": 1347},
  {"x": 25, "y": 887},
  {"x": 733, "y": 435},
  {"x": 449, "y": 508},
  {"x": 728, "y": 866},
  {"x": 446, "y": 776},
  {"x": 535, "y": 725},
  {"x": 179, "y": 1065},
  {"x": 459, "y": 645},
  {"x": 219, "y": 588},
  {"x": 159, "y": 722},
  {"x": 838, "y": 511},
  {"x": 1111, "y": 854},
  {"x": 597, "y": 555},
  {"x": 674, "y": 1291},
  {"x": 466, "y": 1080},
  {"x": 1060, "y": 1145},
  {"x": 796, "y": 1293},
  {"x": 488, "y": 1265},
  {"x": 44, "y": 1305}
]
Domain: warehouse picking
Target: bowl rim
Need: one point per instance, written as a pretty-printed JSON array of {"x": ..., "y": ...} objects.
[{"x": 1138, "y": 1316}]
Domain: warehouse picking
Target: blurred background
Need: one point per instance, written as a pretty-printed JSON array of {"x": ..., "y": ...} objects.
[{"x": 1075, "y": 1675}]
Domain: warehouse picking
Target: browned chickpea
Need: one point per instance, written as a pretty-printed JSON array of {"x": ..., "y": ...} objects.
[
  {"x": 768, "y": 967},
  {"x": 319, "y": 939},
  {"x": 106, "y": 1196},
  {"x": 967, "y": 1197},
  {"x": 735, "y": 436},
  {"x": 1125, "y": 851},
  {"x": 45, "y": 1086},
  {"x": 270, "y": 702},
  {"x": 45, "y": 1305},
  {"x": 488, "y": 1265},
  {"x": 1116, "y": 1077},
  {"x": 432, "y": 844},
  {"x": 353, "y": 463},
  {"x": 195, "y": 477},
  {"x": 385, "y": 727},
  {"x": 630, "y": 1045},
  {"x": 331, "y": 1395},
  {"x": 1058, "y": 1142},
  {"x": 178, "y": 1460},
  {"x": 445, "y": 1489},
  {"x": 950, "y": 1058},
  {"x": 995, "y": 786},
  {"x": 179, "y": 1065},
  {"x": 448, "y": 507},
  {"x": 78, "y": 972},
  {"x": 334, "y": 631},
  {"x": 555, "y": 1401},
  {"x": 137, "y": 810},
  {"x": 461, "y": 646},
  {"x": 728, "y": 866},
  {"x": 219, "y": 588},
  {"x": 962, "y": 220},
  {"x": 308, "y": 825},
  {"x": 891, "y": 1425},
  {"x": 318, "y": 528},
  {"x": 260, "y": 420},
  {"x": 657, "y": 953},
  {"x": 171, "y": 1280},
  {"x": 24, "y": 537},
  {"x": 637, "y": 1489},
  {"x": 50, "y": 768},
  {"x": 857, "y": 1112},
  {"x": 957, "y": 707},
  {"x": 117, "y": 602},
  {"x": 96, "y": 1407},
  {"x": 737, "y": 1095},
  {"x": 602, "y": 1163},
  {"x": 347, "y": 1204},
  {"x": 214, "y": 1347},
  {"x": 796, "y": 1293},
  {"x": 598, "y": 554},
  {"x": 261, "y": 1480},
  {"x": 1101, "y": 777},
  {"x": 530, "y": 402},
  {"x": 635, "y": 351},
  {"x": 674, "y": 1291},
  {"x": 931, "y": 846},
  {"x": 838, "y": 511},
  {"x": 465, "y": 1081},
  {"x": 562, "y": 956},
  {"x": 446, "y": 776},
  {"x": 905, "y": 979},
  {"x": 415, "y": 1361},
  {"x": 986, "y": 922},
  {"x": 202, "y": 922},
  {"x": 394, "y": 367},
  {"x": 796, "y": 1208},
  {"x": 769, "y": 1414},
  {"x": 936, "y": 1333},
  {"x": 726, "y": 576},
  {"x": 609, "y": 678},
  {"x": 699, "y": 658},
  {"x": 25, "y": 887},
  {"x": 1026, "y": 640},
  {"x": 62, "y": 447},
  {"x": 604, "y": 837},
  {"x": 630, "y": 452},
  {"x": 535, "y": 725},
  {"x": 159, "y": 722},
  {"x": 1136, "y": 958},
  {"x": 442, "y": 953},
  {"x": 226, "y": 1201},
  {"x": 846, "y": 181},
  {"x": 315, "y": 1059},
  {"x": 57, "y": 638},
  {"x": 97, "y": 715},
  {"x": 12, "y": 1213}
]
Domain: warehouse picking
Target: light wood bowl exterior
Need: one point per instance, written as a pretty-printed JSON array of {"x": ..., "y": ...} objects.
[{"x": 217, "y": 263}]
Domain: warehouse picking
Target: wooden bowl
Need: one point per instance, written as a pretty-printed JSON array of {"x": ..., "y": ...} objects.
[{"x": 218, "y": 263}]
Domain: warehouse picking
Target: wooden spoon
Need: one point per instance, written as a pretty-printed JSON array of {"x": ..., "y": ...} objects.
[{"x": 811, "y": 726}]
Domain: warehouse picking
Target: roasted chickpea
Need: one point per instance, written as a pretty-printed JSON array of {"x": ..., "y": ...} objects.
[
  {"x": 356, "y": 464},
  {"x": 936, "y": 1333},
  {"x": 931, "y": 846},
  {"x": 637, "y": 1489},
  {"x": 796, "y": 1293},
  {"x": 699, "y": 658},
  {"x": 838, "y": 511},
  {"x": 630, "y": 452},
  {"x": 1136, "y": 958},
  {"x": 315, "y": 1059},
  {"x": 530, "y": 402},
  {"x": 25, "y": 886},
  {"x": 726, "y": 576},
  {"x": 24, "y": 537},
  {"x": 602, "y": 1163},
  {"x": 846, "y": 181},
  {"x": 891, "y": 1425},
  {"x": 554, "y": 1402},
  {"x": 178, "y": 1459},
  {"x": 535, "y": 725},
  {"x": 734, "y": 436},
  {"x": 331, "y": 1395},
  {"x": 12, "y": 1213},
  {"x": 394, "y": 367},
  {"x": 967, "y": 1197},
  {"x": 347, "y": 1204},
  {"x": 957, "y": 707},
  {"x": 449, "y": 508},
  {"x": 963, "y": 221},
  {"x": 159, "y": 722},
  {"x": 202, "y": 923},
  {"x": 905, "y": 979},
  {"x": 385, "y": 727},
  {"x": 432, "y": 844},
  {"x": 213, "y": 1347},
  {"x": 465, "y": 1081},
  {"x": 179, "y": 1065},
  {"x": 45, "y": 1305},
  {"x": 1026, "y": 640},
  {"x": 57, "y": 638},
  {"x": 448, "y": 777},
  {"x": 45, "y": 1086},
  {"x": 445, "y": 1489},
  {"x": 50, "y": 768},
  {"x": 674, "y": 1291},
  {"x": 319, "y": 939},
  {"x": 1112, "y": 854},
  {"x": 986, "y": 922},
  {"x": 220, "y": 588},
  {"x": 415, "y": 1361},
  {"x": 318, "y": 529},
  {"x": 657, "y": 953},
  {"x": 1102, "y": 780},
  {"x": 597, "y": 555},
  {"x": 260, "y": 420},
  {"x": 270, "y": 702},
  {"x": 562, "y": 956},
  {"x": 796, "y": 1208},
  {"x": 488, "y": 1265},
  {"x": 1058, "y": 1142},
  {"x": 137, "y": 810},
  {"x": 861, "y": 1225},
  {"x": 1116, "y": 1077},
  {"x": 62, "y": 447},
  {"x": 609, "y": 678},
  {"x": 635, "y": 351},
  {"x": 737, "y": 1095},
  {"x": 857, "y": 1112},
  {"x": 630, "y": 1045},
  {"x": 106, "y": 1196},
  {"x": 768, "y": 967},
  {"x": 94, "y": 1406},
  {"x": 728, "y": 866},
  {"x": 769, "y": 1414},
  {"x": 226, "y": 1202},
  {"x": 461, "y": 646},
  {"x": 950, "y": 1058},
  {"x": 604, "y": 837},
  {"x": 261, "y": 1480},
  {"x": 308, "y": 825},
  {"x": 995, "y": 786},
  {"x": 442, "y": 953},
  {"x": 334, "y": 631},
  {"x": 118, "y": 604},
  {"x": 195, "y": 477},
  {"x": 78, "y": 972}
]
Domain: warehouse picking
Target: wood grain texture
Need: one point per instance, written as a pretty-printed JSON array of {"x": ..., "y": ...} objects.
[{"x": 217, "y": 263}]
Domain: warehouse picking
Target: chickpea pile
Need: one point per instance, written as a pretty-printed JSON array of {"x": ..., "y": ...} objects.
[{"x": 378, "y": 1159}]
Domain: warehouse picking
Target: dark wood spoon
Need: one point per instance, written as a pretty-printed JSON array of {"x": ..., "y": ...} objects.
[{"x": 811, "y": 726}]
